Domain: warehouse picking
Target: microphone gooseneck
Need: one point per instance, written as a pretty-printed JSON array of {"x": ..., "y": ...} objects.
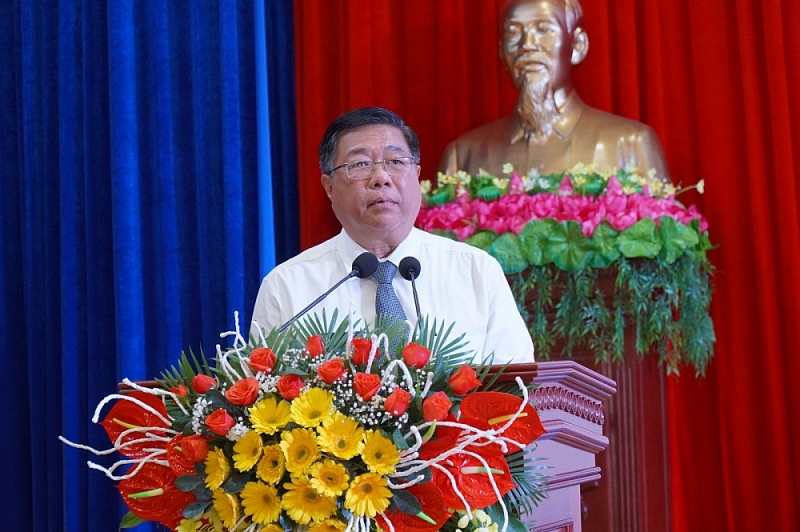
[
  {"x": 363, "y": 266},
  {"x": 410, "y": 268}
]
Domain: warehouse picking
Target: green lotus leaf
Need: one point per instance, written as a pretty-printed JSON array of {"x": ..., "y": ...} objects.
[
  {"x": 507, "y": 252},
  {"x": 570, "y": 249},
  {"x": 482, "y": 239},
  {"x": 533, "y": 241},
  {"x": 604, "y": 240},
  {"x": 676, "y": 238},
  {"x": 489, "y": 193},
  {"x": 640, "y": 240},
  {"x": 444, "y": 195}
]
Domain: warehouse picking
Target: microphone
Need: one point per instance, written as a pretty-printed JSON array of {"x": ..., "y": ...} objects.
[
  {"x": 409, "y": 268},
  {"x": 363, "y": 266}
]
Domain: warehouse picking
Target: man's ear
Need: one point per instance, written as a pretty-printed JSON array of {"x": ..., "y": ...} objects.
[
  {"x": 580, "y": 46},
  {"x": 326, "y": 184}
]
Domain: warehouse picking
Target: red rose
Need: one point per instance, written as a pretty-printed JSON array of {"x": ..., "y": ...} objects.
[
  {"x": 416, "y": 356},
  {"x": 262, "y": 359},
  {"x": 178, "y": 462},
  {"x": 289, "y": 386},
  {"x": 243, "y": 392},
  {"x": 314, "y": 346},
  {"x": 361, "y": 350},
  {"x": 195, "y": 447},
  {"x": 202, "y": 383},
  {"x": 436, "y": 407},
  {"x": 464, "y": 380},
  {"x": 397, "y": 402},
  {"x": 331, "y": 370},
  {"x": 367, "y": 385},
  {"x": 180, "y": 390},
  {"x": 220, "y": 422}
]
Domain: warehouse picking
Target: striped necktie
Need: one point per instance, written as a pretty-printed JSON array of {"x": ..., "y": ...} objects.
[{"x": 387, "y": 306}]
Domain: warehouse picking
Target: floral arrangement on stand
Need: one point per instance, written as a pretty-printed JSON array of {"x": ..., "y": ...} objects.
[
  {"x": 323, "y": 429},
  {"x": 587, "y": 252}
]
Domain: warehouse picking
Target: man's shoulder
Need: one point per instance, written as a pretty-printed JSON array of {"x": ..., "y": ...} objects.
[
  {"x": 309, "y": 257},
  {"x": 497, "y": 130},
  {"x": 432, "y": 243},
  {"x": 612, "y": 123}
]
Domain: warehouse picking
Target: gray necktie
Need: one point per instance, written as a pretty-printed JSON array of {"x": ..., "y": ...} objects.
[{"x": 387, "y": 306}]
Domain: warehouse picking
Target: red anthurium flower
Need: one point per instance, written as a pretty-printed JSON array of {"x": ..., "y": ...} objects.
[
  {"x": 366, "y": 385},
  {"x": 330, "y": 370},
  {"x": 432, "y": 502},
  {"x": 314, "y": 346},
  {"x": 151, "y": 494},
  {"x": 202, "y": 383},
  {"x": 243, "y": 392},
  {"x": 444, "y": 439},
  {"x": 416, "y": 356},
  {"x": 126, "y": 414},
  {"x": 464, "y": 380},
  {"x": 361, "y": 350},
  {"x": 397, "y": 402},
  {"x": 473, "y": 480},
  {"x": 485, "y": 410},
  {"x": 262, "y": 359}
]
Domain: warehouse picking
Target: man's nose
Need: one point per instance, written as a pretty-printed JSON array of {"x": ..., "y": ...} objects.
[
  {"x": 530, "y": 39},
  {"x": 379, "y": 176}
]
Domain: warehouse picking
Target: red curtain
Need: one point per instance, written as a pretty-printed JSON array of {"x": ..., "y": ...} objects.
[{"x": 719, "y": 81}]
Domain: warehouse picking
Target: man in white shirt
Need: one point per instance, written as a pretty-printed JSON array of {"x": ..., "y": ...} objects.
[{"x": 370, "y": 170}]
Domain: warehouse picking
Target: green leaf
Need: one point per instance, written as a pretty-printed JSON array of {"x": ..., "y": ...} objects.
[
  {"x": 195, "y": 509},
  {"x": 406, "y": 503},
  {"x": 129, "y": 520},
  {"x": 640, "y": 240},
  {"x": 442, "y": 196},
  {"x": 236, "y": 483},
  {"x": 533, "y": 241},
  {"x": 507, "y": 252},
  {"x": 604, "y": 240},
  {"x": 489, "y": 193},
  {"x": 399, "y": 441},
  {"x": 187, "y": 483},
  {"x": 482, "y": 239},
  {"x": 514, "y": 524},
  {"x": 570, "y": 249},
  {"x": 676, "y": 238}
]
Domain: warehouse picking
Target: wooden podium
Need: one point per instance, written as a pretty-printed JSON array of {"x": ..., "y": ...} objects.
[{"x": 569, "y": 400}]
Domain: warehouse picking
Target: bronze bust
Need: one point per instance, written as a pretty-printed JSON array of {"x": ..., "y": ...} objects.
[{"x": 551, "y": 129}]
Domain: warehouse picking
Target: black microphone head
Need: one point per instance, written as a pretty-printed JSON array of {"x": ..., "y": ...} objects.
[
  {"x": 365, "y": 265},
  {"x": 409, "y": 268}
]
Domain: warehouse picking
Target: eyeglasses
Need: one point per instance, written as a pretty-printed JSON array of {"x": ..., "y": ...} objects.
[{"x": 398, "y": 166}]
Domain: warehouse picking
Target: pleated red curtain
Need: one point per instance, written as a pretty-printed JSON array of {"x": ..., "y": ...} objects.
[{"x": 718, "y": 80}]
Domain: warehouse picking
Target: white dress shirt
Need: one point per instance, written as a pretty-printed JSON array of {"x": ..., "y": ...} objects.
[{"x": 457, "y": 284}]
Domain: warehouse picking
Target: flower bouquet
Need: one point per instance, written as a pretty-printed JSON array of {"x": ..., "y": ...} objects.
[
  {"x": 588, "y": 251},
  {"x": 320, "y": 428}
]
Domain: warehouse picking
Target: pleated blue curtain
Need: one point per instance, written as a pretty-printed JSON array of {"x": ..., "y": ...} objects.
[{"x": 143, "y": 145}]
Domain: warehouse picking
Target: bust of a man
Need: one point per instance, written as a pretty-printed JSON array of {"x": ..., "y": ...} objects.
[{"x": 551, "y": 129}]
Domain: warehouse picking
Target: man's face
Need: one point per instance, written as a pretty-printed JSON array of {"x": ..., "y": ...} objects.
[
  {"x": 536, "y": 46},
  {"x": 382, "y": 208}
]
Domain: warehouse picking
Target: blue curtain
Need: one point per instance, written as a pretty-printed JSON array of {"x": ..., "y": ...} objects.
[{"x": 143, "y": 145}]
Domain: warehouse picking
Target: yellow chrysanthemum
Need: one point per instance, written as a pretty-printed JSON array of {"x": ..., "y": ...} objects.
[
  {"x": 272, "y": 465},
  {"x": 228, "y": 508},
  {"x": 328, "y": 525},
  {"x": 312, "y": 407},
  {"x": 300, "y": 449},
  {"x": 261, "y": 502},
  {"x": 329, "y": 478},
  {"x": 379, "y": 453},
  {"x": 341, "y": 436},
  {"x": 218, "y": 469},
  {"x": 303, "y": 504},
  {"x": 368, "y": 495},
  {"x": 269, "y": 415},
  {"x": 247, "y": 451}
]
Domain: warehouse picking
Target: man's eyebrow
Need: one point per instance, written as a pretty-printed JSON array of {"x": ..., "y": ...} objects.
[{"x": 364, "y": 151}]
